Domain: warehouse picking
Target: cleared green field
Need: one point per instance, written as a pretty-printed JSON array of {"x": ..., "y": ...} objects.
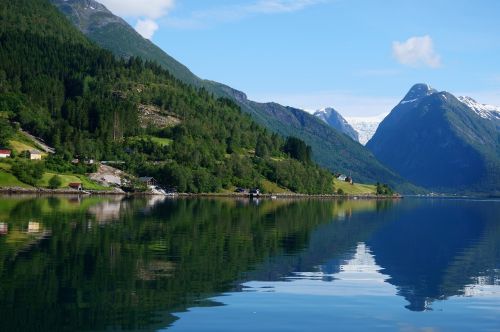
[
  {"x": 157, "y": 140},
  {"x": 66, "y": 179},
  {"x": 5, "y": 166},
  {"x": 273, "y": 188},
  {"x": 355, "y": 189},
  {"x": 19, "y": 146},
  {"x": 9, "y": 180}
]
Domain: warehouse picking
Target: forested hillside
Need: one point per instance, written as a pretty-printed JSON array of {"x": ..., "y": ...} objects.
[
  {"x": 85, "y": 102},
  {"x": 330, "y": 148}
]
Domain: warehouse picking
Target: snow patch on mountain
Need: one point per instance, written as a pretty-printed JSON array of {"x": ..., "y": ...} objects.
[
  {"x": 408, "y": 101},
  {"x": 326, "y": 112},
  {"x": 483, "y": 110},
  {"x": 335, "y": 120},
  {"x": 366, "y": 126}
]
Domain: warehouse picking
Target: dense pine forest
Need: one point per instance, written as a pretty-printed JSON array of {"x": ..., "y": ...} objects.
[{"x": 86, "y": 103}]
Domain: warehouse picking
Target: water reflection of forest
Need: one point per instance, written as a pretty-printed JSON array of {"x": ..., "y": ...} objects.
[{"x": 123, "y": 262}]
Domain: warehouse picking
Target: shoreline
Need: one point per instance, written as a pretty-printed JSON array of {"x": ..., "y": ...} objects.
[
  {"x": 42, "y": 191},
  {"x": 290, "y": 195}
]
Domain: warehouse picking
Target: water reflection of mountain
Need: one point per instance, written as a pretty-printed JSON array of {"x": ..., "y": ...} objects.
[
  {"x": 149, "y": 259},
  {"x": 430, "y": 250},
  {"x": 330, "y": 244},
  {"x": 435, "y": 250}
]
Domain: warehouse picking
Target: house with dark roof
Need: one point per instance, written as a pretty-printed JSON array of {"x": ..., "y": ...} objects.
[
  {"x": 148, "y": 181},
  {"x": 76, "y": 185}
]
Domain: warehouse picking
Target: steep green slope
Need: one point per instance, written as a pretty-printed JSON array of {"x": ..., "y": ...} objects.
[
  {"x": 330, "y": 148},
  {"x": 35, "y": 14},
  {"x": 113, "y": 33},
  {"x": 87, "y": 103},
  {"x": 438, "y": 142}
]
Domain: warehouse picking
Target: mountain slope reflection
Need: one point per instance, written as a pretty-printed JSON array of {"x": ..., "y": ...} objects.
[
  {"x": 428, "y": 250},
  {"x": 357, "y": 276},
  {"x": 371, "y": 270},
  {"x": 435, "y": 250}
]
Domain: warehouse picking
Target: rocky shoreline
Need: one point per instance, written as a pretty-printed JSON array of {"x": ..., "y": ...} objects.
[
  {"x": 44, "y": 191},
  {"x": 119, "y": 192}
]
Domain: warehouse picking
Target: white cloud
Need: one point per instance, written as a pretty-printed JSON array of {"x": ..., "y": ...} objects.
[
  {"x": 146, "y": 12},
  {"x": 152, "y": 9},
  {"x": 149, "y": 13},
  {"x": 280, "y": 6},
  {"x": 146, "y": 28},
  {"x": 416, "y": 51},
  {"x": 203, "y": 18}
]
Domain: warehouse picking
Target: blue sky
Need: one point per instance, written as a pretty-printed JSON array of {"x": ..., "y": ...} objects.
[{"x": 358, "y": 56}]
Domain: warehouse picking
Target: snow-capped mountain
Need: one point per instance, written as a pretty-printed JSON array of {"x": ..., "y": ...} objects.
[
  {"x": 366, "y": 126},
  {"x": 337, "y": 121},
  {"x": 483, "y": 110},
  {"x": 441, "y": 142}
]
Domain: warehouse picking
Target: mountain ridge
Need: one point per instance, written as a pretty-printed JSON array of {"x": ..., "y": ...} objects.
[
  {"x": 331, "y": 149},
  {"x": 483, "y": 110},
  {"x": 330, "y": 116},
  {"x": 437, "y": 141}
]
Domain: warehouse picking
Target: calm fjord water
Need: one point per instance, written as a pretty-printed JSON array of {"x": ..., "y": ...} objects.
[{"x": 226, "y": 265}]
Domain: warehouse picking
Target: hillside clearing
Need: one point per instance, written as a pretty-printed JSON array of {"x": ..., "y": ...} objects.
[
  {"x": 155, "y": 139},
  {"x": 8, "y": 180},
  {"x": 354, "y": 189},
  {"x": 66, "y": 179}
]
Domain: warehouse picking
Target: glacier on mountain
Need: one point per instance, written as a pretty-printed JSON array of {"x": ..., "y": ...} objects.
[{"x": 366, "y": 126}]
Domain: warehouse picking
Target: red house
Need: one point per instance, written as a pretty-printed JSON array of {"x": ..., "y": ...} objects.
[{"x": 5, "y": 153}]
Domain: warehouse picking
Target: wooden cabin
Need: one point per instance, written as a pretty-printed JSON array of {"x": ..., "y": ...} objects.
[
  {"x": 149, "y": 181},
  {"x": 76, "y": 185}
]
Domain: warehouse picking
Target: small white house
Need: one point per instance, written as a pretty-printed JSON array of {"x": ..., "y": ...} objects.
[
  {"x": 342, "y": 177},
  {"x": 35, "y": 155},
  {"x": 5, "y": 153}
]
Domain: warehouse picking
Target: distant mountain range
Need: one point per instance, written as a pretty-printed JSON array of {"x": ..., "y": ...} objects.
[
  {"x": 337, "y": 121},
  {"x": 442, "y": 142},
  {"x": 360, "y": 129},
  {"x": 331, "y": 149}
]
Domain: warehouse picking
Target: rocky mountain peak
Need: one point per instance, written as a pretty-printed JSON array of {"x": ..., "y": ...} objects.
[{"x": 418, "y": 91}]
